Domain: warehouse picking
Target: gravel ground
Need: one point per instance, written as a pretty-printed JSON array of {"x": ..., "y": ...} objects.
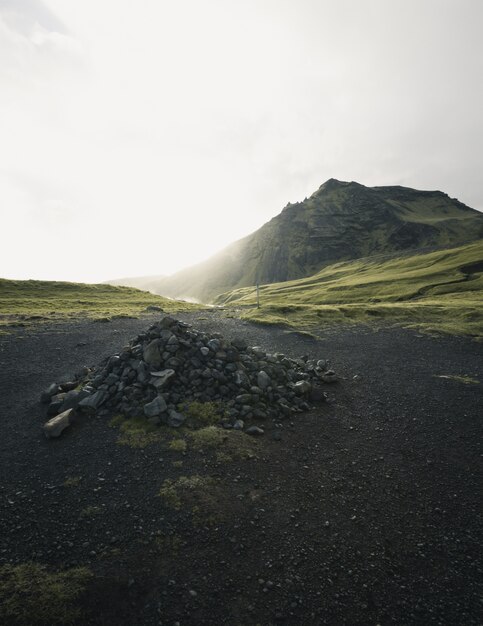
[{"x": 366, "y": 511}]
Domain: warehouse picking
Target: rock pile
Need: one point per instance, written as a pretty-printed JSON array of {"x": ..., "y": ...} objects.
[{"x": 171, "y": 364}]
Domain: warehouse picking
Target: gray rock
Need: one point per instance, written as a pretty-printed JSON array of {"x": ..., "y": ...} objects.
[
  {"x": 153, "y": 307},
  {"x": 239, "y": 425},
  {"x": 239, "y": 343},
  {"x": 214, "y": 345},
  {"x": 151, "y": 354},
  {"x": 205, "y": 351},
  {"x": 242, "y": 379},
  {"x": 73, "y": 398},
  {"x": 56, "y": 402},
  {"x": 263, "y": 380},
  {"x": 302, "y": 387},
  {"x": 255, "y": 431},
  {"x": 329, "y": 377},
  {"x": 160, "y": 379},
  {"x": 55, "y": 426},
  {"x": 156, "y": 407},
  {"x": 46, "y": 395},
  {"x": 167, "y": 322},
  {"x": 244, "y": 398},
  {"x": 175, "y": 419},
  {"x": 94, "y": 401}
]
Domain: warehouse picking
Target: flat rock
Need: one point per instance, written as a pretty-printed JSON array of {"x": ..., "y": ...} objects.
[
  {"x": 255, "y": 431},
  {"x": 55, "y": 426}
]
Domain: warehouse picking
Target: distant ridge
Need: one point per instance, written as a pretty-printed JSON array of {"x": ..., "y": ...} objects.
[{"x": 340, "y": 221}]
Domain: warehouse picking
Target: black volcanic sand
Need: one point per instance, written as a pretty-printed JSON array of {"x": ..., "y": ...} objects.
[{"x": 365, "y": 512}]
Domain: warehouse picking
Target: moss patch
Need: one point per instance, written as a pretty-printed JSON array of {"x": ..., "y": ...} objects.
[
  {"x": 202, "y": 496},
  {"x": 31, "y": 595},
  {"x": 228, "y": 444},
  {"x": 72, "y": 481},
  {"x": 179, "y": 445},
  {"x": 201, "y": 414},
  {"x": 136, "y": 432}
]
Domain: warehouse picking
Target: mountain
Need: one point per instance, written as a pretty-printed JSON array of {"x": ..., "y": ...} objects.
[
  {"x": 147, "y": 283},
  {"x": 440, "y": 290},
  {"x": 340, "y": 221}
]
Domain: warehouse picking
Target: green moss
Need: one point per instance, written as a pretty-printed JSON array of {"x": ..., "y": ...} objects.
[
  {"x": 206, "y": 438},
  {"x": 228, "y": 444},
  {"x": 137, "y": 432},
  {"x": 169, "y": 545},
  {"x": 176, "y": 491},
  {"x": 202, "y": 413},
  {"x": 72, "y": 481},
  {"x": 179, "y": 445},
  {"x": 31, "y": 595},
  {"x": 90, "y": 511}
]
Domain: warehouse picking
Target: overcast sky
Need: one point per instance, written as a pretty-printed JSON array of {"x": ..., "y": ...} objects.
[{"x": 138, "y": 137}]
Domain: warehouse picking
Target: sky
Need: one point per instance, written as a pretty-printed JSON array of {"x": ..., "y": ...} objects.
[{"x": 138, "y": 138}]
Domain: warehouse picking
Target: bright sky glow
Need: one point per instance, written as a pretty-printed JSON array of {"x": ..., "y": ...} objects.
[{"x": 138, "y": 138}]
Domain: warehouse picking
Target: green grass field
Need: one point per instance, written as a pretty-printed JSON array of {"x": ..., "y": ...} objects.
[
  {"x": 34, "y": 300},
  {"x": 440, "y": 291}
]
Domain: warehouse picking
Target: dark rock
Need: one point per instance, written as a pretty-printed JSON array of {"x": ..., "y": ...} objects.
[
  {"x": 94, "y": 401},
  {"x": 255, "y": 431},
  {"x": 155, "y": 407},
  {"x": 152, "y": 354}
]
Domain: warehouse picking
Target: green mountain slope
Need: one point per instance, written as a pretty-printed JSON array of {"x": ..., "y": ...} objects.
[
  {"x": 441, "y": 290},
  {"x": 340, "y": 221}
]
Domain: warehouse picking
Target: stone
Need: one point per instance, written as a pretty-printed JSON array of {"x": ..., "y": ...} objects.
[
  {"x": 167, "y": 322},
  {"x": 329, "y": 377},
  {"x": 242, "y": 379},
  {"x": 56, "y": 403},
  {"x": 180, "y": 364},
  {"x": 302, "y": 387},
  {"x": 153, "y": 307},
  {"x": 155, "y": 407},
  {"x": 73, "y": 398},
  {"x": 160, "y": 379},
  {"x": 175, "y": 419},
  {"x": 46, "y": 395},
  {"x": 94, "y": 401},
  {"x": 239, "y": 343},
  {"x": 56, "y": 426},
  {"x": 255, "y": 431},
  {"x": 244, "y": 398},
  {"x": 151, "y": 354},
  {"x": 263, "y": 380},
  {"x": 214, "y": 345},
  {"x": 68, "y": 386}
]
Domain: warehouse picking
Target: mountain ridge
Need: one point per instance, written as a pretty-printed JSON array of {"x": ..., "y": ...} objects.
[{"x": 339, "y": 221}]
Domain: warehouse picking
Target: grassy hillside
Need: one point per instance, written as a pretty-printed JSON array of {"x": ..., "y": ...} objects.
[
  {"x": 37, "y": 299},
  {"x": 441, "y": 290},
  {"x": 340, "y": 221}
]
